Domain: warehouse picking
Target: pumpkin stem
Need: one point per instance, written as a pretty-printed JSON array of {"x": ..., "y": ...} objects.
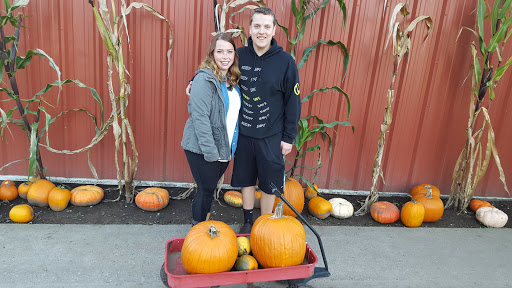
[
  {"x": 429, "y": 191},
  {"x": 412, "y": 199},
  {"x": 278, "y": 213},
  {"x": 213, "y": 232}
]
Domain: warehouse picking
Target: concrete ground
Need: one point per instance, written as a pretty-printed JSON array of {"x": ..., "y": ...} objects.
[{"x": 39, "y": 255}]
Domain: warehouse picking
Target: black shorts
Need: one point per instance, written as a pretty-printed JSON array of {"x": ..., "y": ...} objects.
[{"x": 258, "y": 161}]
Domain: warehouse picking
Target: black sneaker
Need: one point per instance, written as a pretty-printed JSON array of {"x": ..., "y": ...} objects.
[{"x": 245, "y": 229}]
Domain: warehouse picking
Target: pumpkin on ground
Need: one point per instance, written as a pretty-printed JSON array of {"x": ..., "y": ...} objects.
[
  {"x": 311, "y": 193},
  {"x": 294, "y": 194},
  {"x": 209, "y": 247},
  {"x": 341, "y": 208},
  {"x": 422, "y": 189},
  {"x": 233, "y": 198},
  {"x": 86, "y": 195},
  {"x": 492, "y": 217},
  {"x": 8, "y": 190},
  {"x": 244, "y": 246},
  {"x": 476, "y": 204},
  {"x": 412, "y": 213},
  {"x": 257, "y": 199},
  {"x": 58, "y": 198},
  {"x": 23, "y": 189},
  {"x": 319, "y": 207},
  {"x": 22, "y": 213},
  {"x": 434, "y": 207},
  {"x": 152, "y": 199},
  {"x": 246, "y": 263},
  {"x": 278, "y": 240},
  {"x": 384, "y": 212},
  {"x": 38, "y": 192}
]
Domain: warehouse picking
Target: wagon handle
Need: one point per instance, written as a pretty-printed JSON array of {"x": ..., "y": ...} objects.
[{"x": 318, "y": 272}]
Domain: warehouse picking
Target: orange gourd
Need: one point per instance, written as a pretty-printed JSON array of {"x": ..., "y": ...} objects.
[
  {"x": 23, "y": 189},
  {"x": 8, "y": 190},
  {"x": 37, "y": 194},
  {"x": 422, "y": 189},
  {"x": 319, "y": 207},
  {"x": 294, "y": 194},
  {"x": 311, "y": 193},
  {"x": 58, "y": 198},
  {"x": 412, "y": 213},
  {"x": 209, "y": 247},
  {"x": 434, "y": 207},
  {"x": 233, "y": 198},
  {"x": 384, "y": 212},
  {"x": 152, "y": 199},
  {"x": 86, "y": 195},
  {"x": 22, "y": 213},
  {"x": 475, "y": 204}
]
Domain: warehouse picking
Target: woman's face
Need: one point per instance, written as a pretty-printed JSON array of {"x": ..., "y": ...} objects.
[{"x": 224, "y": 55}]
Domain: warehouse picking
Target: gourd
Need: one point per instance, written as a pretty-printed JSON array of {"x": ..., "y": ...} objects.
[
  {"x": 152, "y": 199},
  {"x": 434, "y": 207},
  {"x": 319, "y": 207},
  {"x": 245, "y": 263},
  {"x": 37, "y": 194},
  {"x": 278, "y": 240},
  {"x": 311, "y": 193},
  {"x": 412, "y": 213},
  {"x": 475, "y": 204},
  {"x": 384, "y": 212},
  {"x": 8, "y": 190},
  {"x": 422, "y": 189},
  {"x": 244, "y": 246},
  {"x": 492, "y": 217},
  {"x": 209, "y": 247},
  {"x": 294, "y": 194},
  {"x": 257, "y": 199},
  {"x": 22, "y": 213},
  {"x": 58, "y": 198},
  {"x": 86, "y": 195},
  {"x": 233, "y": 198},
  {"x": 23, "y": 189},
  {"x": 341, "y": 208}
]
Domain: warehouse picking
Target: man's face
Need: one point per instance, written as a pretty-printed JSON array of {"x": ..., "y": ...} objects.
[{"x": 262, "y": 29}]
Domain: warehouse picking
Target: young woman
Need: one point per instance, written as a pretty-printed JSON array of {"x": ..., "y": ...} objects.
[{"x": 211, "y": 132}]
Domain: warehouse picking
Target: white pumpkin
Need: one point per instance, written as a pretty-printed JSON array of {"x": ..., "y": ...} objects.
[
  {"x": 341, "y": 208},
  {"x": 491, "y": 217}
]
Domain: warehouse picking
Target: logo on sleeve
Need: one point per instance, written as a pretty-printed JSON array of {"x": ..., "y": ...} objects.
[{"x": 296, "y": 89}]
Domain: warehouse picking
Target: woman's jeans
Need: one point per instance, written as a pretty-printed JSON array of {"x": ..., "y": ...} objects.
[{"x": 206, "y": 174}]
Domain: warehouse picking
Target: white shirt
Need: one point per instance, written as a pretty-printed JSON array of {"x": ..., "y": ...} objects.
[{"x": 232, "y": 116}]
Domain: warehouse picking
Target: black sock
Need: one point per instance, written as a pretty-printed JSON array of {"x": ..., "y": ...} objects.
[{"x": 248, "y": 216}]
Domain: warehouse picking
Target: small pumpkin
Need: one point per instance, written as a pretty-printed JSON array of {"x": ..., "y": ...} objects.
[
  {"x": 422, "y": 189},
  {"x": 319, "y": 207},
  {"x": 86, "y": 195},
  {"x": 209, "y": 247},
  {"x": 492, "y": 217},
  {"x": 294, "y": 194},
  {"x": 341, "y": 208},
  {"x": 23, "y": 189},
  {"x": 244, "y": 246},
  {"x": 22, "y": 213},
  {"x": 152, "y": 199},
  {"x": 58, "y": 198},
  {"x": 384, "y": 212},
  {"x": 278, "y": 240},
  {"x": 233, "y": 198},
  {"x": 8, "y": 190},
  {"x": 246, "y": 263},
  {"x": 412, "y": 213},
  {"x": 38, "y": 192},
  {"x": 311, "y": 193},
  {"x": 257, "y": 199},
  {"x": 476, "y": 204},
  {"x": 434, "y": 207}
]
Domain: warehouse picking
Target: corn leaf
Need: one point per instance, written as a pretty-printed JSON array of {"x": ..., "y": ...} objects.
[
  {"x": 480, "y": 23},
  {"x": 308, "y": 50},
  {"x": 496, "y": 38},
  {"x": 334, "y": 88},
  {"x": 504, "y": 9},
  {"x": 18, "y": 4},
  {"x": 494, "y": 16},
  {"x": 393, "y": 20}
]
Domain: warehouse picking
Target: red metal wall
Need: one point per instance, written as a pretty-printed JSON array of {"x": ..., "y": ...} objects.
[{"x": 430, "y": 111}]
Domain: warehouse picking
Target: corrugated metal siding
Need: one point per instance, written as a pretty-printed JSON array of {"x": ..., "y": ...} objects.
[{"x": 430, "y": 111}]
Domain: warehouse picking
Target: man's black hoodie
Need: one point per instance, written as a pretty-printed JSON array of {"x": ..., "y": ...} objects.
[{"x": 270, "y": 93}]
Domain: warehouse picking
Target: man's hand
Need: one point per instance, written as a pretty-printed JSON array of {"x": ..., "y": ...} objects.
[
  {"x": 187, "y": 91},
  {"x": 286, "y": 148}
]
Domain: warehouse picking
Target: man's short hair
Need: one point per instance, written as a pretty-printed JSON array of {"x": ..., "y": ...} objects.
[{"x": 264, "y": 11}]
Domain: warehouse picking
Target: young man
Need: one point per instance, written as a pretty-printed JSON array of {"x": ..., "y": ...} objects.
[{"x": 268, "y": 117}]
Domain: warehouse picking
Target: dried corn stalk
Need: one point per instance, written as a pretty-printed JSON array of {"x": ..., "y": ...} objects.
[{"x": 401, "y": 46}]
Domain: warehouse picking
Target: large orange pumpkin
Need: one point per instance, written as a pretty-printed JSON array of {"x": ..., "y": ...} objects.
[
  {"x": 152, "y": 199},
  {"x": 58, "y": 198},
  {"x": 422, "y": 190},
  {"x": 86, "y": 195},
  {"x": 8, "y": 190},
  {"x": 38, "y": 192},
  {"x": 233, "y": 198},
  {"x": 294, "y": 194},
  {"x": 384, "y": 212},
  {"x": 209, "y": 247},
  {"x": 434, "y": 207},
  {"x": 278, "y": 240}
]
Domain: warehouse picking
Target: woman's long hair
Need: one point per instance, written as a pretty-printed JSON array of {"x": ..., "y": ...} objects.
[{"x": 233, "y": 74}]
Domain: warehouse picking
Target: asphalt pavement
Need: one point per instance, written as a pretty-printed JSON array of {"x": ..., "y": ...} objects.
[{"x": 43, "y": 255}]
